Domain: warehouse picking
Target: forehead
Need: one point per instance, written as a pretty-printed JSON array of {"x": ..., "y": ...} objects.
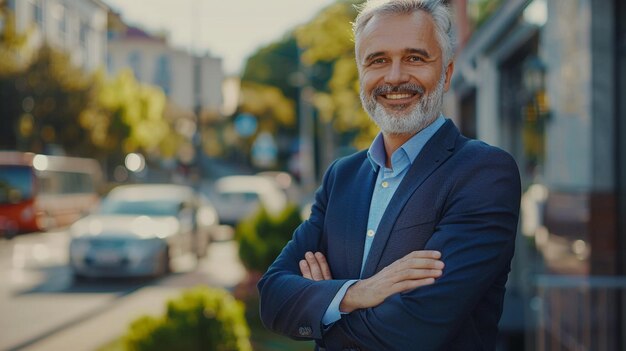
[{"x": 393, "y": 32}]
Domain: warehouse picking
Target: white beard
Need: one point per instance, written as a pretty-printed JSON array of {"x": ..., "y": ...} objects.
[{"x": 391, "y": 122}]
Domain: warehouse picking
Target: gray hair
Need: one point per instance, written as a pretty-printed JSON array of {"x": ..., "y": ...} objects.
[{"x": 436, "y": 8}]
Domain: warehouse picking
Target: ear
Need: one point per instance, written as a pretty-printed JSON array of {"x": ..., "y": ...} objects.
[{"x": 449, "y": 71}]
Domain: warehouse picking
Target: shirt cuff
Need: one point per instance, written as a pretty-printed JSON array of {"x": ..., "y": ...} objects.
[{"x": 332, "y": 312}]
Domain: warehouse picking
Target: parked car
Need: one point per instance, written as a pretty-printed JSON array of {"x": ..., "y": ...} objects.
[
  {"x": 286, "y": 182},
  {"x": 138, "y": 229},
  {"x": 237, "y": 197}
]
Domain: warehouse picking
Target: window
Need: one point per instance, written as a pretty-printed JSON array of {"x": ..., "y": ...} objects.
[
  {"x": 197, "y": 82},
  {"x": 58, "y": 182},
  {"x": 62, "y": 23},
  {"x": 83, "y": 33},
  {"x": 109, "y": 63},
  {"x": 16, "y": 184},
  {"x": 162, "y": 76},
  {"x": 83, "y": 38},
  {"x": 134, "y": 61},
  {"x": 38, "y": 13},
  {"x": 59, "y": 26}
]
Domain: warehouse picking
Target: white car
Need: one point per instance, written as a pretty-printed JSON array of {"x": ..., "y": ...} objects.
[
  {"x": 236, "y": 197},
  {"x": 138, "y": 229}
]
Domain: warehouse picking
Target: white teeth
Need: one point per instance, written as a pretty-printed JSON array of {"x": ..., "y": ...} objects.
[{"x": 398, "y": 96}]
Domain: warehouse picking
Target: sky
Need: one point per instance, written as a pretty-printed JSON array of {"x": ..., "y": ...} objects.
[{"x": 230, "y": 29}]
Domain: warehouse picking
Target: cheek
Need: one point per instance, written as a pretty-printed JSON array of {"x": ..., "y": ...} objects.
[
  {"x": 369, "y": 81},
  {"x": 428, "y": 78}
]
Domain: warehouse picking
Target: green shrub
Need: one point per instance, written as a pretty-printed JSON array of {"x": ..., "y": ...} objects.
[
  {"x": 201, "y": 318},
  {"x": 262, "y": 236}
]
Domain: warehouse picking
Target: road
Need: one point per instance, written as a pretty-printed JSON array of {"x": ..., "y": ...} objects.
[{"x": 43, "y": 309}]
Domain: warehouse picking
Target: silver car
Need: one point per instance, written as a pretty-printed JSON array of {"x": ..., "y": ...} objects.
[
  {"x": 238, "y": 196},
  {"x": 138, "y": 229}
]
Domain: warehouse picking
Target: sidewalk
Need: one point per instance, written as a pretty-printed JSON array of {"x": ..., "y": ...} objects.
[{"x": 221, "y": 269}]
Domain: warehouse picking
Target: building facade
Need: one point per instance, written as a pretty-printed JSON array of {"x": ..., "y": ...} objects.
[
  {"x": 189, "y": 81},
  {"x": 77, "y": 27},
  {"x": 545, "y": 80}
]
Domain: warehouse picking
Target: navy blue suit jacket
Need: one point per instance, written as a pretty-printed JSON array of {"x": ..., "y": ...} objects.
[{"x": 460, "y": 197}]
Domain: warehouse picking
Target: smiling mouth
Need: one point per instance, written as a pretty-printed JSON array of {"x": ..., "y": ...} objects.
[
  {"x": 397, "y": 96},
  {"x": 401, "y": 93}
]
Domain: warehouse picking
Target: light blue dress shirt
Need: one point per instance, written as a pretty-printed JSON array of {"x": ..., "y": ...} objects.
[{"x": 387, "y": 182}]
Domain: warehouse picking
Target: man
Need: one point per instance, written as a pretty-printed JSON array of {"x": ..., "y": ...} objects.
[{"x": 366, "y": 271}]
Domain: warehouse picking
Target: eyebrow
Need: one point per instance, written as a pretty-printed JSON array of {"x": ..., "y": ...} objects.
[
  {"x": 376, "y": 54},
  {"x": 417, "y": 51}
]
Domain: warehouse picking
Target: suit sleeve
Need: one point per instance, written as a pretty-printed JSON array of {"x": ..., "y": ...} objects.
[
  {"x": 290, "y": 304},
  {"x": 476, "y": 237}
]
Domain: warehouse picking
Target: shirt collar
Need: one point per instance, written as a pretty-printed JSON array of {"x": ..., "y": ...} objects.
[{"x": 410, "y": 149}]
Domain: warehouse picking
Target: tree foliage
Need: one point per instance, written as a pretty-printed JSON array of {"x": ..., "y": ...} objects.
[
  {"x": 275, "y": 65},
  {"x": 480, "y": 10},
  {"x": 269, "y": 104},
  {"x": 15, "y": 53},
  {"x": 128, "y": 116},
  {"x": 49, "y": 102},
  {"x": 326, "y": 47},
  {"x": 267, "y": 90},
  {"x": 43, "y": 101},
  {"x": 328, "y": 39}
]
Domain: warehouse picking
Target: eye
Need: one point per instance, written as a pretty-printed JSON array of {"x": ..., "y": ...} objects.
[
  {"x": 378, "y": 61},
  {"x": 414, "y": 58}
]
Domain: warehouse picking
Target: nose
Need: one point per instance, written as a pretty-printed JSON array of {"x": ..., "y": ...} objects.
[{"x": 396, "y": 74}]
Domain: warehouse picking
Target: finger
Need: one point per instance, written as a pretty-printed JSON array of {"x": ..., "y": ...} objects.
[
  {"x": 305, "y": 270},
  {"x": 316, "y": 271},
  {"x": 413, "y": 274},
  {"x": 408, "y": 285},
  {"x": 422, "y": 263},
  {"x": 420, "y": 254},
  {"x": 324, "y": 267},
  {"x": 424, "y": 254}
]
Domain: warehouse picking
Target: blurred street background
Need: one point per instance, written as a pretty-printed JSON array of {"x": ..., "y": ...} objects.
[{"x": 149, "y": 147}]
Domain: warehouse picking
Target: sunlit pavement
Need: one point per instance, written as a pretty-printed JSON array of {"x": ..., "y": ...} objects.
[{"x": 43, "y": 309}]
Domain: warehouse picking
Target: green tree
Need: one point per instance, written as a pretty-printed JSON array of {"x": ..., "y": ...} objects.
[
  {"x": 269, "y": 93},
  {"x": 127, "y": 116},
  {"x": 41, "y": 93},
  {"x": 480, "y": 10},
  {"x": 15, "y": 53},
  {"x": 47, "y": 101},
  {"x": 42, "y": 102},
  {"x": 275, "y": 65},
  {"x": 328, "y": 38},
  {"x": 15, "y": 57},
  {"x": 326, "y": 47}
]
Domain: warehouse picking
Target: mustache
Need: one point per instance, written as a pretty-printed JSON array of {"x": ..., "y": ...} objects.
[{"x": 410, "y": 88}]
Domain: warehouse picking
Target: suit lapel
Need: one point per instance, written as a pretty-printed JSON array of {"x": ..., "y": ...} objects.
[
  {"x": 435, "y": 153},
  {"x": 357, "y": 211}
]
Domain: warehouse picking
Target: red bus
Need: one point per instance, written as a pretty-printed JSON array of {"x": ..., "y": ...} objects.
[{"x": 40, "y": 192}]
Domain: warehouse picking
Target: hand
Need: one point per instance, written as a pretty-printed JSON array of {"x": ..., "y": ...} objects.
[
  {"x": 315, "y": 267},
  {"x": 416, "y": 269}
]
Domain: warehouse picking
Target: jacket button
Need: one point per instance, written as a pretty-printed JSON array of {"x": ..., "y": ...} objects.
[{"x": 305, "y": 331}]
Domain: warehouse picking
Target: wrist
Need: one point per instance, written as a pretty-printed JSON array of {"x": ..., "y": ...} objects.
[{"x": 349, "y": 302}]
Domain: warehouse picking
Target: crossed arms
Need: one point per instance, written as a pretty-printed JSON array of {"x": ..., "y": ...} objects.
[
  {"x": 416, "y": 269},
  {"x": 475, "y": 237}
]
